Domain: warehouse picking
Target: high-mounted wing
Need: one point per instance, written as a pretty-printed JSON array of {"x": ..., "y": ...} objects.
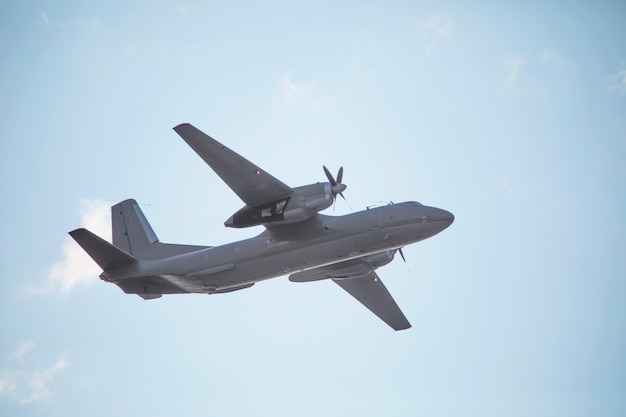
[
  {"x": 373, "y": 294},
  {"x": 252, "y": 184}
]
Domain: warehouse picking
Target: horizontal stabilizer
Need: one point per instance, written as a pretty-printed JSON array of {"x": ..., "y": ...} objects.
[{"x": 105, "y": 254}]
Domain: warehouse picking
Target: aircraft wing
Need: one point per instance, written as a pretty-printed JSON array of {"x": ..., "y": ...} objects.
[
  {"x": 252, "y": 184},
  {"x": 373, "y": 294}
]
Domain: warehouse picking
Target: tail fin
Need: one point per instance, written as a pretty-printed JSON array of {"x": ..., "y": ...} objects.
[
  {"x": 133, "y": 234},
  {"x": 131, "y": 230},
  {"x": 105, "y": 254}
]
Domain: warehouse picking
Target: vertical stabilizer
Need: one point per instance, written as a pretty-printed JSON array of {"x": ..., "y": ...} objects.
[
  {"x": 133, "y": 234},
  {"x": 131, "y": 230}
]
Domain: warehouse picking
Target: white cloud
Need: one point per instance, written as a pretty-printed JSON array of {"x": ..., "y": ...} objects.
[
  {"x": 45, "y": 18},
  {"x": 160, "y": 51},
  {"x": 8, "y": 383},
  {"x": 85, "y": 24},
  {"x": 432, "y": 30},
  {"x": 511, "y": 67},
  {"x": 22, "y": 350},
  {"x": 47, "y": 21},
  {"x": 617, "y": 82},
  {"x": 551, "y": 58},
  {"x": 90, "y": 25},
  {"x": 41, "y": 382},
  {"x": 31, "y": 386},
  {"x": 435, "y": 25},
  {"x": 77, "y": 267},
  {"x": 184, "y": 9},
  {"x": 298, "y": 94},
  {"x": 95, "y": 215},
  {"x": 508, "y": 185}
]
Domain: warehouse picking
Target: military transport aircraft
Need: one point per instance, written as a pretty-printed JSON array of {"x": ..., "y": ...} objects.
[{"x": 296, "y": 241}]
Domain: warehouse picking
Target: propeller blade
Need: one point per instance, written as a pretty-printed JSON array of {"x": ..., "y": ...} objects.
[
  {"x": 336, "y": 186},
  {"x": 329, "y": 176},
  {"x": 346, "y": 200},
  {"x": 402, "y": 254}
]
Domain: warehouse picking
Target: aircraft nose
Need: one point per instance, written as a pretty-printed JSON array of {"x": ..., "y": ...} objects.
[
  {"x": 446, "y": 216},
  {"x": 443, "y": 217}
]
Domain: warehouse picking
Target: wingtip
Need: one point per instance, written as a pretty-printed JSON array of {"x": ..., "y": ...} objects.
[{"x": 180, "y": 126}]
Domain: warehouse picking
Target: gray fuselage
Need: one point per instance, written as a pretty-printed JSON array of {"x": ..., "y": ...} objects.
[{"x": 278, "y": 251}]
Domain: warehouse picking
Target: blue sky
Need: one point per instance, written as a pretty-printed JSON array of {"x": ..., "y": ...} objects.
[{"x": 512, "y": 116}]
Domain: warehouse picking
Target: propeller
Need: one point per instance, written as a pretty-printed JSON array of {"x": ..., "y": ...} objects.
[
  {"x": 335, "y": 185},
  {"x": 399, "y": 250},
  {"x": 402, "y": 254}
]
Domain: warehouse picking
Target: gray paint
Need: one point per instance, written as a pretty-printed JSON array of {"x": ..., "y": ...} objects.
[{"x": 347, "y": 249}]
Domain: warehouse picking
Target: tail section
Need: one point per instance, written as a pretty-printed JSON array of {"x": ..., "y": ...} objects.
[
  {"x": 105, "y": 254},
  {"x": 131, "y": 230},
  {"x": 133, "y": 234}
]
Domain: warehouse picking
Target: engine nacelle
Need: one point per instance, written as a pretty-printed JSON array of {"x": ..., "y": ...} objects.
[
  {"x": 360, "y": 267},
  {"x": 354, "y": 268},
  {"x": 303, "y": 203}
]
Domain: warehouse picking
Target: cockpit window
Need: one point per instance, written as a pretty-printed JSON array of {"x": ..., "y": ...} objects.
[{"x": 266, "y": 212}]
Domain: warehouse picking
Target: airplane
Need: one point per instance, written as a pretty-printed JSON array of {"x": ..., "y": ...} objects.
[{"x": 297, "y": 240}]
